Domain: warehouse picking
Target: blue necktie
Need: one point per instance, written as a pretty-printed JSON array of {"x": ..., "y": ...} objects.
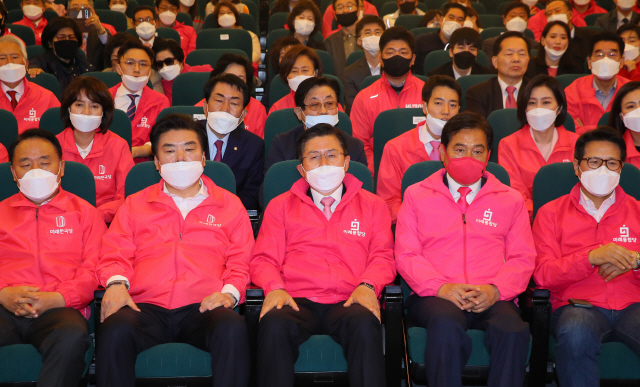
[{"x": 131, "y": 110}]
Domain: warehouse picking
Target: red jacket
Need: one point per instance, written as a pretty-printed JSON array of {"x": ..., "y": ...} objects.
[
  {"x": 520, "y": 156},
  {"x": 538, "y": 21},
  {"x": 109, "y": 160},
  {"x": 436, "y": 246},
  {"x": 54, "y": 247},
  {"x": 187, "y": 37},
  {"x": 593, "y": 8},
  {"x": 4, "y": 156},
  {"x": 299, "y": 250},
  {"x": 329, "y": 17},
  {"x": 167, "y": 86},
  {"x": 170, "y": 261},
  {"x": 31, "y": 106},
  {"x": 633, "y": 156},
  {"x": 150, "y": 105},
  {"x": 377, "y": 98},
  {"x": 255, "y": 119},
  {"x": 583, "y": 104},
  {"x": 633, "y": 75},
  {"x": 565, "y": 233},
  {"x": 36, "y": 30},
  {"x": 399, "y": 154}
]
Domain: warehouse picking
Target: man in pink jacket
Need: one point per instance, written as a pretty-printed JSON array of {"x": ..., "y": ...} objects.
[
  {"x": 397, "y": 88},
  {"x": 588, "y": 258},
  {"x": 175, "y": 262},
  {"x": 466, "y": 268},
  {"x": 49, "y": 245},
  {"x": 323, "y": 256},
  {"x": 440, "y": 101},
  {"x": 589, "y": 97}
]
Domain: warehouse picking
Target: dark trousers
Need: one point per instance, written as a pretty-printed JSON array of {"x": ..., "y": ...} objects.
[
  {"x": 61, "y": 335},
  {"x": 449, "y": 347},
  {"x": 126, "y": 333},
  {"x": 355, "y": 328}
]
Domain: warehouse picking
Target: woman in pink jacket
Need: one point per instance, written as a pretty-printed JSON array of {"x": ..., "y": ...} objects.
[
  {"x": 87, "y": 112},
  {"x": 625, "y": 118},
  {"x": 543, "y": 140}
]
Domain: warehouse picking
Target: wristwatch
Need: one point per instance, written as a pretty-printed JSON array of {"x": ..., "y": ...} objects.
[
  {"x": 637, "y": 260},
  {"x": 118, "y": 282},
  {"x": 368, "y": 285}
]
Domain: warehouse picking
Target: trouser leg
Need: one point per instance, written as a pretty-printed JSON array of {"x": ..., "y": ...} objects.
[
  {"x": 10, "y": 328},
  {"x": 627, "y": 327}
]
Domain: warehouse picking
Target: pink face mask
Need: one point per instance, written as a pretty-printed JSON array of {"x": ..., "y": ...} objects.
[{"x": 465, "y": 170}]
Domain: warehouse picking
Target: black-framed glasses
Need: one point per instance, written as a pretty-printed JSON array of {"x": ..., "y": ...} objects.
[
  {"x": 317, "y": 106},
  {"x": 165, "y": 62},
  {"x": 596, "y": 162}
]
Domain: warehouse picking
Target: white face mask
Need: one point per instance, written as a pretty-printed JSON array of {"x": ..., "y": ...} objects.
[
  {"x": 371, "y": 44},
  {"x": 558, "y": 17},
  {"x": 304, "y": 27},
  {"x": 516, "y": 24},
  {"x": 600, "y": 182},
  {"x": 85, "y": 123},
  {"x": 187, "y": 3},
  {"x": 134, "y": 84},
  {"x": 626, "y": 5},
  {"x": 145, "y": 30},
  {"x": 32, "y": 12},
  {"x": 467, "y": 24},
  {"x": 12, "y": 72},
  {"x": 167, "y": 18},
  {"x": 227, "y": 21},
  {"x": 435, "y": 125},
  {"x": 119, "y": 8},
  {"x": 530, "y": 3},
  {"x": 541, "y": 119},
  {"x": 581, "y": 2},
  {"x": 296, "y": 81},
  {"x": 182, "y": 174},
  {"x": 631, "y": 52},
  {"x": 449, "y": 27},
  {"x": 170, "y": 73},
  {"x": 222, "y": 122},
  {"x": 553, "y": 54},
  {"x": 38, "y": 184},
  {"x": 605, "y": 68},
  {"x": 632, "y": 120},
  {"x": 311, "y": 121},
  {"x": 325, "y": 178}
]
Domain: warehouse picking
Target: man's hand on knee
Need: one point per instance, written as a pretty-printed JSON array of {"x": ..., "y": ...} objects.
[
  {"x": 217, "y": 299},
  {"x": 366, "y": 297},
  {"x": 11, "y": 297},
  {"x": 114, "y": 299},
  {"x": 457, "y": 294},
  {"x": 277, "y": 299}
]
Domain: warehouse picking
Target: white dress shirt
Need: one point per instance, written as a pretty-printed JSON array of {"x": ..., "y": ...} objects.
[
  {"x": 213, "y": 151},
  {"x": 503, "y": 87},
  {"x": 454, "y": 186},
  {"x": 317, "y": 197},
  {"x": 426, "y": 138},
  {"x": 19, "y": 90},
  {"x": 374, "y": 70},
  {"x": 122, "y": 100},
  {"x": 591, "y": 209}
]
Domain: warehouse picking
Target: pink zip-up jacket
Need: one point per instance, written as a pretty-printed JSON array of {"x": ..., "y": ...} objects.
[
  {"x": 299, "y": 250},
  {"x": 565, "y": 233},
  {"x": 377, "y": 98},
  {"x": 170, "y": 261},
  {"x": 490, "y": 244},
  {"x": 54, "y": 247}
]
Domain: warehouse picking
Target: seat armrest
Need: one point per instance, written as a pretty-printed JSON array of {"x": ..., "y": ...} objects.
[
  {"x": 540, "y": 330},
  {"x": 394, "y": 342},
  {"x": 253, "y": 305}
]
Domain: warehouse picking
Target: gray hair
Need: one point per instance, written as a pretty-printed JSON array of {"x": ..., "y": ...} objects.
[
  {"x": 69, "y": 3},
  {"x": 18, "y": 41}
]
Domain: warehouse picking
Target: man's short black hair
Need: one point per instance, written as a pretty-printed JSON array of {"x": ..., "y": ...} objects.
[
  {"x": 443, "y": 81},
  {"x": 466, "y": 120},
  {"x": 398, "y": 33},
  {"x": 447, "y": 6},
  {"x": 137, "y": 45},
  {"x": 144, "y": 8},
  {"x": 515, "y": 5},
  {"x": 606, "y": 36},
  {"x": 464, "y": 36},
  {"x": 35, "y": 133},
  {"x": 321, "y": 130},
  {"x": 176, "y": 121},
  {"x": 368, "y": 19},
  {"x": 601, "y": 133},
  {"x": 231, "y": 80},
  {"x": 497, "y": 45},
  {"x": 175, "y": 3},
  {"x": 305, "y": 87}
]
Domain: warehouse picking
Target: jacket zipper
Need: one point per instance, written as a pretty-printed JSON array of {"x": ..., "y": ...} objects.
[
  {"x": 175, "y": 263},
  {"x": 464, "y": 247},
  {"x": 38, "y": 245}
]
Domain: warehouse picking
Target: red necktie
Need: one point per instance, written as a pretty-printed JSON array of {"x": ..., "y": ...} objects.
[
  {"x": 14, "y": 102},
  {"x": 218, "y": 145},
  {"x": 511, "y": 101},
  {"x": 434, "y": 155},
  {"x": 462, "y": 201},
  {"x": 327, "y": 202}
]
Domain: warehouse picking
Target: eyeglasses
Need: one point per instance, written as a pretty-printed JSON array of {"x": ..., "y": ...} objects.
[
  {"x": 596, "y": 162},
  {"x": 66, "y": 37},
  {"x": 348, "y": 7},
  {"x": 143, "y": 65},
  {"x": 314, "y": 158},
  {"x": 165, "y": 62},
  {"x": 146, "y": 19},
  {"x": 610, "y": 55},
  {"x": 317, "y": 106}
]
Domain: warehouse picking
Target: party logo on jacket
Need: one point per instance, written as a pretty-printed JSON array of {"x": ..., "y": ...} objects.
[
  {"x": 624, "y": 235},
  {"x": 487, "y": 219},
  {"x": 211, "y": 221},
  {"x": 355, "y": 229},
  {"x": 60, "y": 223}
]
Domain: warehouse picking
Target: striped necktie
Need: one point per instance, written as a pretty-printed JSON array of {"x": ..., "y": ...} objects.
[{"x": 131, "y": 110}]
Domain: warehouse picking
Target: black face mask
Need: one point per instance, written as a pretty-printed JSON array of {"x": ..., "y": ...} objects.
[
  {"x": 396, "y": 66},
  {"x": 347, "y": 19},
  {"x": 66, "y": 49},
  {"x": 464, "y": 59},
  {"x": 407, "y": 7}
]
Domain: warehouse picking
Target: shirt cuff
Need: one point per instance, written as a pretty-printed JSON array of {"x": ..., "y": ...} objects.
[
  {"x": 104, "y": 37},
  {"x": 118, "y": 278},
  {"x": 228, "y": 288}
]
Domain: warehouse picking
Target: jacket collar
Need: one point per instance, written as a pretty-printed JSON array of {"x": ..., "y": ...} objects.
[
  {"x": 351, "y": 184},
  {"x": 631, "y": 147},
  {"x": 415, "y": 145},
  {"x": 409, "y": 83},
  {"x": 621, "y": 196},
  {"x": 69, "y": 144},
  {"x": 215, "y": 198},
  {"x": 526, "y": 141},
  {"x": 435, "y": 183},
  {"x": 60, "y": 201}
]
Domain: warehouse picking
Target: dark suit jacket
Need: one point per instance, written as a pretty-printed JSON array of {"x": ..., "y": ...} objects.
[
  {"x": 284, "y": 147},
  {"x": 564, "y": 67},
  {"x": 245, "y": 156},
  {"x": 95, "y": 50},
  {"x": 335, "y": 47},
  {"x": 424, "y": 45},
  {"x": 447, "y": 69},
  {"x": 486, "y": 96},
  {"x": 580, "y": 44},
  {"x": 487, "y": 45},
  {"x": 609, "y": 21},
  {"x": 64, "y": 72},
  {"x": 353, "y": 77}
]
